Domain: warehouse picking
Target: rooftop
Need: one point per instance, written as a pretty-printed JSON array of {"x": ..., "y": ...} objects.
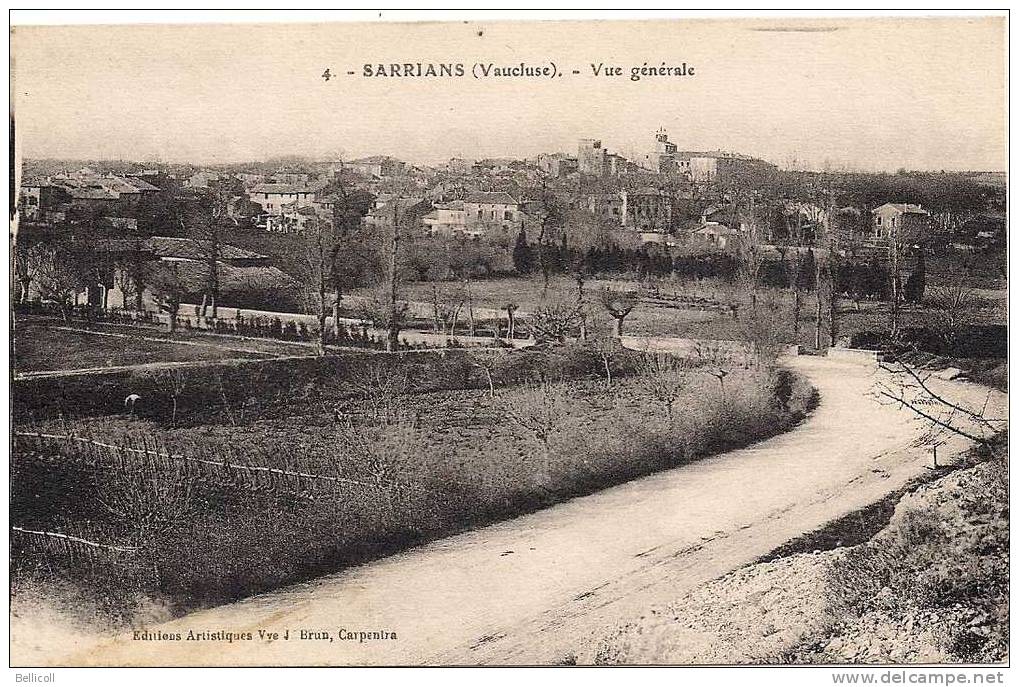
[
  {"x": 904, "y": 208},
  {"x": 491, "y": 198},
  {"x": 195, "y": 249},
  {"x": 287, "y": 189}
]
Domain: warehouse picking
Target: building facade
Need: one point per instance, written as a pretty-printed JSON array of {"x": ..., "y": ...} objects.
[
  {"x": 902, "y": 222},
  {"x": 648, "y": 210},
  {"x": 492, "y": 209},
  {"x": 590, "y": 157},
  {"x": 273, "y": 197},
  {"x": 377, "y": 166}
]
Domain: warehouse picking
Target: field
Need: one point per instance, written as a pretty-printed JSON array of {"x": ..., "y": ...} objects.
[
  {"x": 247, "y": 483},
  {"x": 701, "y": 309},
  {"x": 46, "y": 344}
]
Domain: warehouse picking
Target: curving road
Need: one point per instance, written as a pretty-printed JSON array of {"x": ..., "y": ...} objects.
[{"x": 532, "y": 590}]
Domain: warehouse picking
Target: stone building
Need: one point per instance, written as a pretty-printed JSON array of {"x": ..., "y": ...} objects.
[
  {"x": 646, "y": 210},
  {"x": 591, "y": 157},
  {"x": 904, "y": 222}
]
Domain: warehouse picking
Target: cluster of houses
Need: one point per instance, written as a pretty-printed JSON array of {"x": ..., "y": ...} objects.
[
  {"x": 48, "y": 200},
  {"x": 240, "y": 274},
  {"x": 655, "y": 198}
]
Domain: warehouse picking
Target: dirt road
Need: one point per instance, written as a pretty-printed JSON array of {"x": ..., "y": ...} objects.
[{"x": 533, "y": 590}]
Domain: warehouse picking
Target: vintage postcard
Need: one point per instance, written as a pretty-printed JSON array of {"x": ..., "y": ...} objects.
[{"x": 510, "y": 342}]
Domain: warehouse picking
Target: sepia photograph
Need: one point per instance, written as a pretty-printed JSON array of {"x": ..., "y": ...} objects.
[{"x": 547, "y": 340}]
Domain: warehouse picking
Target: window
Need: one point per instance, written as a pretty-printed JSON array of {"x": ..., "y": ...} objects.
[
  {"x": 508, "y": 214},
  {"x": 879, "y": 220}
]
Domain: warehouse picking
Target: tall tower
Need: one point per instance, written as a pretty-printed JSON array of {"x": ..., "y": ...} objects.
[{"x": 591, "y": 157}]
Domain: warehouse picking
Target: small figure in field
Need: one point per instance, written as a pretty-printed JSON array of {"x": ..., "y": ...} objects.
[{"x": 130, "y": 401}]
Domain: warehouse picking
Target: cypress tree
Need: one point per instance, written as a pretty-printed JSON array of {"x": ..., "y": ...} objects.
[
  {"x": 917, "y": 281},
  {"x": 523, "y": 258}
]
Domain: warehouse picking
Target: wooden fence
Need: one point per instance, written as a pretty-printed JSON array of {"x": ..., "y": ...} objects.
[
  {"x": 78, "y": 552},
  {"x": 93, "y": 450}
]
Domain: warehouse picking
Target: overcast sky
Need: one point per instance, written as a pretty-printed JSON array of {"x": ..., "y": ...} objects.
[{"x": 867, "y": 94}]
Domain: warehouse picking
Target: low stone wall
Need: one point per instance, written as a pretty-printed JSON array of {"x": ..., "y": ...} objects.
[
  {"x": 692, "y": 347},
  {"x": 855, "y": 355}
]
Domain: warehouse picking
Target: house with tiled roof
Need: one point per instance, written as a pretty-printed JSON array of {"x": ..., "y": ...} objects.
[
  {"x": 902, "y": 222},
  {"x": 715, "y": 234},
  {"x": 240, "y": 272},
  {"x": 446, "y": 219},
  {"x": 377, "y": 166},
  {"x": 163, "y": 247},
  {"x": 273, "y": 197},
  {"x": 492, "y": 209}
]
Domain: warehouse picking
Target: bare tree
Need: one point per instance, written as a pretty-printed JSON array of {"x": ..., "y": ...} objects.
[
  {"x": 554, "y": 320},
  {"x": 541, "y": 409},
  {"x": 911, "y": 388},
  {"x": 394, "y": 315},
  {"x": 764, "y": 338},
  {"x": 716, "y": 361},
  {"x": 59, "y": 271},
  {"x": 464, "y": 260},
  {"x": 445, "y": 311},
  {"x": 27, "y": 261},
  {"x": 354, "y": 257},
  {"x": 487, "y": 365},
  {"x": 379, "y": 458},
  {"x": 317, "y": 247},
  {"x": 151, "y": 496},
  {"x": 129, "y": 277},
  {"x": 619, "y": 304},
  {"x": 580, "y": 270},
  {"x": 378, "y": 309},
  {"x": 665, "y": 376},
  {"x": 950, "y": 308},
  {"x": 551, "y": 217},
  {"x": 168, "y": 286},
  {"x": 749, "y": 256},
  {"x": 791, "y": 263},
  {"x": 607, "y": 347},
  {"x": 380, "y": 387},
  {"x": 511, "y": 309},
  {"x": 173, "y": 382},
  {"x": 820, "y": 269},
  {"x": 202, "y": 220}
]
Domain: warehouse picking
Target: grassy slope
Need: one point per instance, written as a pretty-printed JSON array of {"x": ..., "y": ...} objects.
[
  {"x": 47, "y": 344},
  {"x": 931, "y": 586}
]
